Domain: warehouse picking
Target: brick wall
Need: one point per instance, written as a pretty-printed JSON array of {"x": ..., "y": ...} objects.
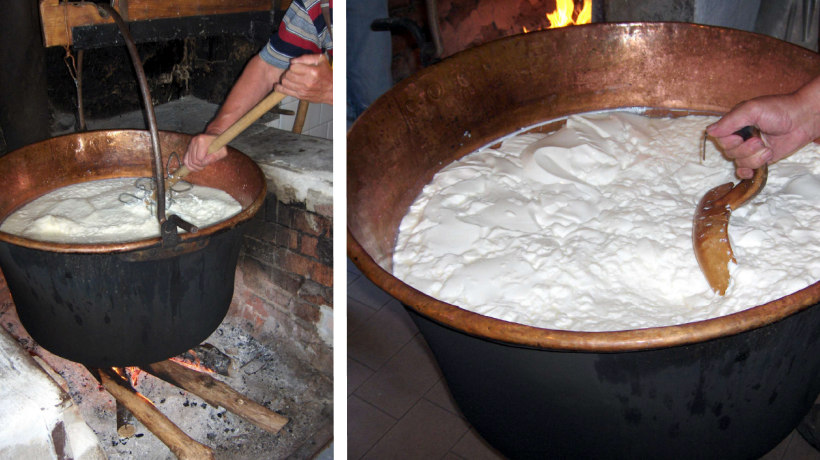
[{"x": 284, "y": 284}]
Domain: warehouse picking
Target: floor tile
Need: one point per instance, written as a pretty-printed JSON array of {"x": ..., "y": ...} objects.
[
  {"x": 426, "y": 432},
  {"x": 440, "y": 395},
  {"x": 357, "y": 373},
  {"x": 353, "y": 273},
  {"x": 381, "y": 336},
  {"x": 780, "y": 450},
  {"x": 799, "y": 449},
  {"x": 368, "y": 293},
  {"x": 474, "y": 447},
  {"x": 358, "y": 314},
  {"x": 365, "y": 426},
  {"x": 403, "y": 380}
]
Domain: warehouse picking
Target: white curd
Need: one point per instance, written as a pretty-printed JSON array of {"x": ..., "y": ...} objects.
[
  {"x": 92, "y": 212},
  {"x": 590, "y": 228}
]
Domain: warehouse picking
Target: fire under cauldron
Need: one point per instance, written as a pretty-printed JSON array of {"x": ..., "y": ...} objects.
[
  {"x": 730, "y": 387},
  {"x": 130, "y": 303}
]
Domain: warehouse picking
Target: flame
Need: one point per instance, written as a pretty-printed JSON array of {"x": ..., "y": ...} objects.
[
  {"x": 132, "y": 374},
  {"x": 564, "y": 12},
  {"x": 194, "y": 365}
]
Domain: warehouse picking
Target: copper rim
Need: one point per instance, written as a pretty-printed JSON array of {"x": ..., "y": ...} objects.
[
  {"x": 480, "y": 95},
  {"x": 36, "y": 169}
]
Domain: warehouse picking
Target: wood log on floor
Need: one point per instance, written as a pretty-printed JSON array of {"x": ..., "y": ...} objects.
[
  {"x": 171, "y": 435},
  {"x": 217, "y": 393}
]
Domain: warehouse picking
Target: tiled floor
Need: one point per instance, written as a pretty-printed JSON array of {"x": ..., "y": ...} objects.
[{"x": 398, "y": 404}]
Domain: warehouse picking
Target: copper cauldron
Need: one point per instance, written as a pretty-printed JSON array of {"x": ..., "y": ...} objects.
[
  {"x": 730, "y": 387},
  {"x": 130, "y": 303}
]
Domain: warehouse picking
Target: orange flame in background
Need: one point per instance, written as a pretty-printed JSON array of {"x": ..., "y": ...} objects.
[{"x": 564, "y": 12}]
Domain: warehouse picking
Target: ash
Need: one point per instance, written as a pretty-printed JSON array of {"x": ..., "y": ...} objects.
[{"x": 263, "y": 372}]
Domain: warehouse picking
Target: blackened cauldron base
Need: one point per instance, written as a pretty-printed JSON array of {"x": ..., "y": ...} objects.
[
  {"x": 734, "y": 397},
  {"x": 123, "y": 309}
]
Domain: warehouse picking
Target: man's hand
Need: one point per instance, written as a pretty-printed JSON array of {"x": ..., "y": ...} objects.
[
  {"x": 787, "y": 122},
  {"x": 309, "y": 78},
  {"x": 196, "y": 156}
]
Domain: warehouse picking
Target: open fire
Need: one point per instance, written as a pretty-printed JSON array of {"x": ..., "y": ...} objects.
[
  {"x": 232, "y": 397},
  {"x": 568, "y": 13}
]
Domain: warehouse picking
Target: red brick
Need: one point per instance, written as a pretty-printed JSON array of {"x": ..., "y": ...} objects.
[
  {"x": 306, "y": 311},
  {"x": 256, "y": 303},
  {"x": 322, "y": 274},
  {"x": 284, "y": 214},
  {"x": 288, "y": 282},
  {"x": 312, "y": 224},
  {"x": 316, "y": 294},
  {"x": 255, "y": 275},
  {"x": 294, "y": 263},
  {"x": 262, "y": 251},
  {"x": 307, "y": 246},
  {"x": 286, "y": 237},
  {"x": 308, "y": 268},
  {"x": 324, "y": 251},
  {"x": 254, "y": 311},
  {"x": 325, "y": 210},
  {"x": 259, "y": 229},
  {"x": 279, "y": 298}
]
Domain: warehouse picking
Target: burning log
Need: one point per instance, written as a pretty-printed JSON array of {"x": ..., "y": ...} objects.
[
  {"x": 206, "y": 355},
  {"x": 180, "y": 443},
  {"x": 217, "y": 393}
]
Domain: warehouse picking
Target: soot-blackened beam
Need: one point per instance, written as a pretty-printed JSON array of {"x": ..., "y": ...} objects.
[{"x": 254, "y": 26}]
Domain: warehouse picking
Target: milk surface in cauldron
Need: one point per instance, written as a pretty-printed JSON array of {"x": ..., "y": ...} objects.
[
  {"x": 93, "y": 212},
  {"x": 589, "y": 228}
]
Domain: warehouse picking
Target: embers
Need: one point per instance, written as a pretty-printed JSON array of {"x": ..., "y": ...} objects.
[{"x": 120, "y": 383}]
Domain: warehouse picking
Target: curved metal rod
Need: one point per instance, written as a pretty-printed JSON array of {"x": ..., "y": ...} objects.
[
  {"x": 159, "y": 176},
  {"x": 435, "y": 30}
]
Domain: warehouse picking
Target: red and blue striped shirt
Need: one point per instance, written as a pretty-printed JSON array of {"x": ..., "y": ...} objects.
[{"x": 303, "y": 31}]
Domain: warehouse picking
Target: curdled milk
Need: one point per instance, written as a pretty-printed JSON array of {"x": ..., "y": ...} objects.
[
  {"x": 590, "y": 228},
  {"x": 91, "y": 212}
]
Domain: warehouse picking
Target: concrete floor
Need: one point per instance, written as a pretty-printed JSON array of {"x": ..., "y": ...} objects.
[{"x": 397, "y": 401}]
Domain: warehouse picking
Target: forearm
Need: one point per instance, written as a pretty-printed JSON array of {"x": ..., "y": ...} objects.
[
  {"x": 808, "y": 98},
  {"x": 255, "y": 82}
]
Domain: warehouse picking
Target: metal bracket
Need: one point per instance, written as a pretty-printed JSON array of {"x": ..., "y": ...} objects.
[{"x": 169, "y": 233}]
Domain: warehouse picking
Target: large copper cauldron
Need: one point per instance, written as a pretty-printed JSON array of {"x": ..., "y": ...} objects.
[
  {"x": 126, "y": 303},
  {"x": 730, "y": 387}
]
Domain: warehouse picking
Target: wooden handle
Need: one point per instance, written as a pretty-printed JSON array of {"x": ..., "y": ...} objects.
[
  {"x": 301, "y": 115},
  {"x": 235, "y": 129}
]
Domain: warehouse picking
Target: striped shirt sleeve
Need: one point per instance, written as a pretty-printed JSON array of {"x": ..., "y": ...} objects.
[{"x": 303, "y": 31}]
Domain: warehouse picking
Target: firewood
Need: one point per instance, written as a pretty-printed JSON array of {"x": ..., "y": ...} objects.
[
  {"x": 171, "y": 435},
  {"x": 217, "y": 393},
  {"x": 125, "y": 429}
]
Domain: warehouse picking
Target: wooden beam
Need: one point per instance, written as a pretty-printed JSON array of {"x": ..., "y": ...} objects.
[
  {"x": 171, "y": 435},
  {"x": 139, "y": 10},
  {"x": 58, "y": 17},
  {"x": 218, "y": 394}
]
